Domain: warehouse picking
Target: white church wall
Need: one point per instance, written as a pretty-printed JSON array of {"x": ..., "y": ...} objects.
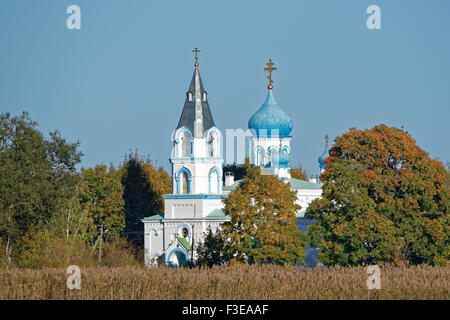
[
  {"x": 199, "y": 173},
  {"x": 153, "y": 242},
  {"x": 183, "y": 208},
  {"x": 266, "y": 144},
  {"x": 305, "y": 197}
]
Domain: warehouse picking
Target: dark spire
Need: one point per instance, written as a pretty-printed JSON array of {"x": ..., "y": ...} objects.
[{"x": 188, "y": 115}]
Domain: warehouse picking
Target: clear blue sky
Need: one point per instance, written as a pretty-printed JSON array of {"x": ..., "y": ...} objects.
[{"x": 119, "y": 83}]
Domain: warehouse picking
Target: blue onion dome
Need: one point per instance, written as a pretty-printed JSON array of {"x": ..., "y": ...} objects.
[
  {"x": 269, "y": 117},
  {"x": 324, "y": 155},
  {"x": 284, "y": 160}
]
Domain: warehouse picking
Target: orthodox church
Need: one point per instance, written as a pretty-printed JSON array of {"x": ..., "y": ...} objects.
[{"x": 195, "y": 204}]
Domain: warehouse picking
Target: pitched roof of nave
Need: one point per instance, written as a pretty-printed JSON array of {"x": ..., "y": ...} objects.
[
  {"x": 187, "y": 118},
  {"x": 296, "y": 184}
]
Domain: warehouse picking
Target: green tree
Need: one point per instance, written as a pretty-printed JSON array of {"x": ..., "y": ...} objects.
[
  {"x": 144, "y": 187},
  {"x": 40, "y": 250},
  {"x": 75, "y": 220},
  {"x": 384, "y": 200},
  {"x": 262, "y": 227},
  {"x": 37, "y": 177},
  {"x": 103, "y": 190},
  {"x": 212, "y": 250}
]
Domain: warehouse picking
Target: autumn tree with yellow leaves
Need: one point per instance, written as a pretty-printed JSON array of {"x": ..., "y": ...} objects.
[
  {"x": 299, "y": 173},
  {"x": 384, "y": 200},
  {"x": 262, "y": 227}
]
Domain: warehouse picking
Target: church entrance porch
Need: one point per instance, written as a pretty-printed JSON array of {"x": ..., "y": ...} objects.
[{"x": 177, "y": 258}]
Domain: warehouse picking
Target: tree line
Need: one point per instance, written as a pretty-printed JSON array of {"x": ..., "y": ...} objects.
[
  {"x": 384, "y": 200},
  {"x": 51, "y": 214}
]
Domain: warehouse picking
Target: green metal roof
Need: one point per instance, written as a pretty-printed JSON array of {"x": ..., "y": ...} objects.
[
  {"x": 295, "y": 184},
  {"x": 300, "y": 214},
  {"x": 232, "y": 187},
  {"x": 155, "y": 217},
  {"x": 216, "y": 214},
  {"x": 185, "y": 243},
  {"x": 301, "y": 184}
]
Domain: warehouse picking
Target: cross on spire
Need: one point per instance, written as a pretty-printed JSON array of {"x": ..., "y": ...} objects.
[
  {"x": 270, "y": 68},
  {"x": 196, "y": 57}
]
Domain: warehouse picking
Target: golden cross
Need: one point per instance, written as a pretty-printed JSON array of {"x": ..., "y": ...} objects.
[
  {"x": 270, "y": 68},
  {"x": 196, "y": 57}
]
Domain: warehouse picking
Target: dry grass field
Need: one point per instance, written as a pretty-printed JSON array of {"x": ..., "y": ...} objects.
[{"x": 233, "y": 282}]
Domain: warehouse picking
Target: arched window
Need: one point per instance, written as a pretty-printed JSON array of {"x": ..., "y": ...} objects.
[
  {"x": 190, "y": 96},
  {"x": 184, "y": 183},
  {"x": 260, "y": 157},
  {"x": 273, "y": 156},
  {"x": 212, "y": 144},
  {"x": 213, "y": 183},
  {"x": 214, "y": 179},
  {"x": 204, "y": 96},
  {"x": 183, "y": 179},
  {"x": 186, "y": 145}
]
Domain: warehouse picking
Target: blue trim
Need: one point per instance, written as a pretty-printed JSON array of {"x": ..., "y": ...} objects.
[
  {"x": 272, "y": 147},
  {"x": 219, "y": 178},
  {"x": 269, "y": 155},
  {"x": 188, "y": 173},
  {"x": 213, "y": 129},
  {"x": 177, "y": 250},
  {"x": 184, "y": 225},
  {"x": 276, "y": 138},
  {"x": 181, "y": 130},
  {"x": 192, "y": 196},
  {"x": 192, "y": 159}
]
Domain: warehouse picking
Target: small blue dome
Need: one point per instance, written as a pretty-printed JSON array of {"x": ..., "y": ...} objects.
[
  {"x": 321, "y": 161},
  {"x": 269, "y": 117},
  {"x": 284, "y": 160}
]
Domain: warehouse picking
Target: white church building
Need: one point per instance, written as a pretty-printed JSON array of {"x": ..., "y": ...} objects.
[{"x": 195, "y": 204}]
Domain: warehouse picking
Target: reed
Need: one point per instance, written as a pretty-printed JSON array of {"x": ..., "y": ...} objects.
[{"x": 237, "y": 282}]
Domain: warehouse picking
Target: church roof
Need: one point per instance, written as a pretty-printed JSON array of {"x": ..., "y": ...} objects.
[
  {"x": 295, "y": 184},
  {"x": 216, "y": 214},
  {"x": 231, "y": 187},
  {"x": 155, "y": 217},
  {"x": 187, "y": 118},
  {"x": 185, "y": 243},
  {"x": 271, "y": 117},
  {"x": 322, "y": 158},
  {"x": 302, "y": 184},
  {"x": 324, "y": 155}
]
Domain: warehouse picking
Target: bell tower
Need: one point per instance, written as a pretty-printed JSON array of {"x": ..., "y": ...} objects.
[{"x": 196, "y": 155}]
